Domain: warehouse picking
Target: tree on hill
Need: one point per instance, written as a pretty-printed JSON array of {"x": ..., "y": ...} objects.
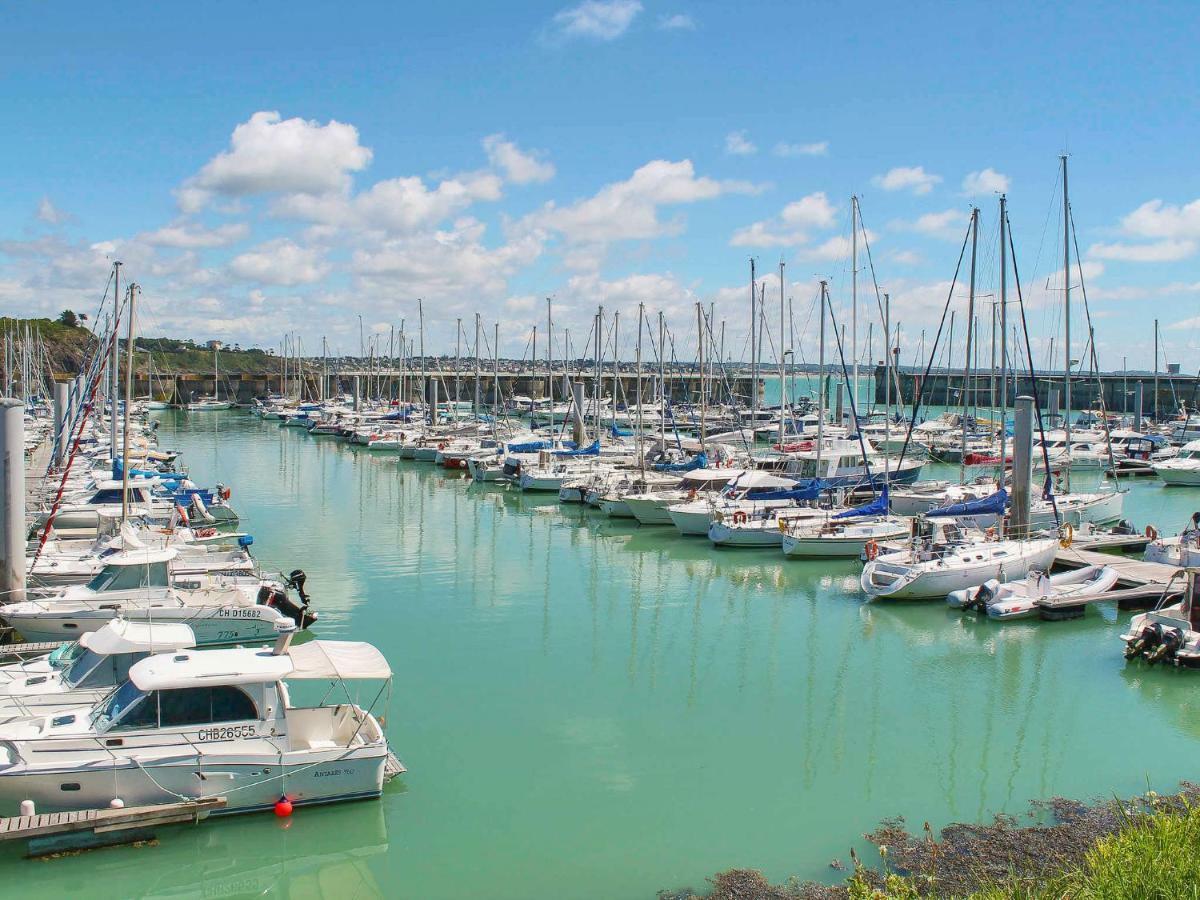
[{"x": 68, "y": 318}]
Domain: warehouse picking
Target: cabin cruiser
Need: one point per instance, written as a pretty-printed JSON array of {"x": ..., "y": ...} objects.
[
  {"x": 1170, "y": 633},
  {"x": 86, "y": 670},
  {"x": 137, "y": 585},
  {"x": 197, "y": 724},
  {"x": 839, "y": 463},
  {"x": 1180, "y": 551},
  {"x": 1184, "y": 468},
  {"x": 945, "y": 557}
]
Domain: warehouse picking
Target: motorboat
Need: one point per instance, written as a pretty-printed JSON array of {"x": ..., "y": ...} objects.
[
  {"x": 1020, "y": 599},
  {"x": 87, "y": 669},
  {"x": 1180, "y": 551},
  {"x": 199, "y": 724},
  {"x": 1184, "y": 469},
  {"x": 652, "y": 506},
  {"x": 747, "y": 494},
  {"x": 137, "y": 585},
  {"x": 1170, "y": 633}
]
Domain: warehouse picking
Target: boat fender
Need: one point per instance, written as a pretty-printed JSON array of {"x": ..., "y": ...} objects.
[
  {"x": 1152, "y": 532},
  {"x": 872, "y": 549},
  {"x": 283, "y": 807}
]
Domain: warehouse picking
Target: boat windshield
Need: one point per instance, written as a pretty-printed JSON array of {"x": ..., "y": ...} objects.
[
  {"x": 66, "y": 654},
  {"x": 110, "y": 709},
  {"x": 125, "y": 578},
  {"x": 81, "y": 667}
]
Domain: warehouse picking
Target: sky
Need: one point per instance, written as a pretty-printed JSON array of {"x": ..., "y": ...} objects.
[{"x": 270, "y": 168}]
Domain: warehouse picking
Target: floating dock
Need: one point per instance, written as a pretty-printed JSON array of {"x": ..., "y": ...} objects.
[
  {"x": 1140, "y": 585},
  {"x": 84, "y": 829}
]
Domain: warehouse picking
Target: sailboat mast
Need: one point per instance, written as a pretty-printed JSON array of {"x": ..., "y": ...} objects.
[
  {"x": 821, "y": 379},
  {"x": 424, "y": 376},
  {"x": 128, "y": 405},
  {"x": 1003, "y": 330},
  {"x": 640, "y": 437},
  {"x": 782, "y": 373},
  {"x": 550, "y": 359},
  {"x": 616, "y": 363},
  {"x": 700, "y": 368},
  {"x": 112, "y": 366},
  {"x": 854, "y": 297},
  {"x": 662, "y": 378},
  {"x": 1067, "y": 318},
  {"x": 753, "y": 346},
  {"x": 966, "y": 382},
  {"x": 476, "y": 398}
]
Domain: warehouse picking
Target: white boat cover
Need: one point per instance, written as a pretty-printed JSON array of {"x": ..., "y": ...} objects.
[
  {"x": 713, "y": 474},
  {"x": 121, "y": 636},
  {"x": 338, "y": 659}
]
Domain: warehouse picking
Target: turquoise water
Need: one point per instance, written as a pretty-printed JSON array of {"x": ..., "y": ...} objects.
[{"x": 592, "y": 709}]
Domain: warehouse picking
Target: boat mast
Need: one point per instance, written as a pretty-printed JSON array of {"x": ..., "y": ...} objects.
[
  {"x": 1066, "y": 320},
  {"x": 662, "y": 379},
  {"x": 887, "y": 381},
  {"x": 782, "y": 373},
  {"x": 700, "y": 367},
  {"x": 496, "y": 370},
  {"x": 133, "y": 288},
  {"x": 1155, "y": 374},
  {"x": 424, "y": 376},
  {"x": 966, "y": 382},
  {"x": 854, "y": 297},
  {"x": 753, "y": 347},
  {"x": 599, "y": 371},
  {"x": 821, "y": 379},
  {"x": 550, "y": 360},
  {"x": 113, "y": 364},
  {"x": 1003, "y": 332},
  {"x": 476, "y": 403},
  {"x": 641, "y": 442}
]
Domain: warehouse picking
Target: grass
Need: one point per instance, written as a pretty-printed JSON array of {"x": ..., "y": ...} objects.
[{"x": 1144, "y": 849}]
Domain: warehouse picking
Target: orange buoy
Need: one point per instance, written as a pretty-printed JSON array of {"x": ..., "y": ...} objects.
[{"x": 283, "y": 807}]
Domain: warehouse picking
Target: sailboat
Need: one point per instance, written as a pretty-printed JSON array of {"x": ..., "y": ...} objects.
[{"x": 210, "y": 404}]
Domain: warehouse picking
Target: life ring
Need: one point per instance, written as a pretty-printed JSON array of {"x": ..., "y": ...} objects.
[
  {"x": 1152, "y": 532},
  {"x": 872, "y": 549},
  {"x": 1068, "y": 536},
  {"x": 739, "y": 517},
  {"x": 226, "y": 493}
]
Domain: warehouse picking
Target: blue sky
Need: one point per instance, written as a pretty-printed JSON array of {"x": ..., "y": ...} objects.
[{"x": 265, "y": 167}]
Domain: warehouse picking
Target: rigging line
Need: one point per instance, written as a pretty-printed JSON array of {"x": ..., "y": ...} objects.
[
  {"x": 1037, "y": 405},
  {"x": 862, "y": 444},
  {"x": 933, "y": 351}
]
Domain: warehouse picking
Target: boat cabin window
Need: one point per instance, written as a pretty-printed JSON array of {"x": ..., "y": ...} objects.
[
  {"x": 125, "y": 578},
  {"x": 203, "y": 705},
  {"x": 87, "y": 666},
  {"x": 66, "y": 654},
  {"x": 113, "y": 495},
  {"x": 126, "y": 707}
]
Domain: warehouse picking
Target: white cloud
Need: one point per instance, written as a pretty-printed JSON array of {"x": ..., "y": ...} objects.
[
  {"x": 600, "y": 20},
  {"x": 1159, "y": 251},
  {"x": 737, "y": 144},
  {"x": 1154, "y": 219},
  {"x": 791, "y": 226},
  {"x": 835, "y": 249},
  {"x": 906, "y": 258},
  {"x": 190, "y": 237},
  {"x": 907, "y": 178},
  {"x": 676, "y": 22},
  {"x": 628, "y": 210},
  {"x": 518, "y": 167},
  {"x": 819, "y": 148},
  {"x": 986, "y": 181},
  {"x": 270, "y": 155},
  {"x": 280, "y": 262},
  {"x": 49, "y": 213},
  {"x": 1185, "y": 324},
  {"x": 948, "y": 224}
]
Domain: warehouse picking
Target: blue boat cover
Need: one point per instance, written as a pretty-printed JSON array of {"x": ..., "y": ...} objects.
[
  {"x": 621, "y": 432},
  {"x": 535, "y": 446},
  {"x": 808, "y": 491},
  {"x": 877, "y": 507},
  {"x": 994, "y": 504},
  {"x": 592, "y": 449},
  {"x": 699, "y": 461}
]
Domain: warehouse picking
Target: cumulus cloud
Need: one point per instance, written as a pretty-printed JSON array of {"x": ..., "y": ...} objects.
[
  {"x": 986, "y": 181},
  {"x": 1168, "y": 250},
  {"x": 268, "y": 154},
  {"x": 819, "y": 148},
  {"x": 676, "y": 22},
  {"x": 280, "y": 262},
  {"x": 737, "y": 144},
  {"x": 518, "y": 166},
  {"x": 190, "y": 236},
  {"x": 791, "y": 226},
  {"x": 598, "y": 20},
  {"x": 948, "y": 224},
  {"x": 1155, "y": 219},
  {"x": 628, "y": 210},
  {"x": 907, "y": 178}
]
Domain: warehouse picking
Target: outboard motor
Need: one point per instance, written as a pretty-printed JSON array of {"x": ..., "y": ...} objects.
[
  {"x": 1170, "y": 640},
  {"x": 269, "y": 595}
]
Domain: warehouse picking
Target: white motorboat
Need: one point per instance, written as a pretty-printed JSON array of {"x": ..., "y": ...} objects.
[
  {"x": 87, "y": 669},
  {"x": 1171, "y": 633},
  {"x": 693, "y": 516},
  {"x": 652, "y": 507},
  {"x": 950, "y": 560},
  {"x": 137, "y": 585},
  {"x": 208, "y": 723},
  {"x": 1019, "y": 599},
  {"x": 1184, "y": 469},
  {"x": 1180, "y": 551}
]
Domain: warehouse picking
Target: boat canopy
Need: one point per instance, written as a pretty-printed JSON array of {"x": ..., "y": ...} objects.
[
  {"x": 993, "y": 504},
  {"x": 592, "y": 449},
  {"x": 809, "y": 491},
  {"x": 877, "y": 507},
  {"x": 757, "y": 479},
  {"x": 122, "y": 636},
  {"x": 704, "y": 475},
  {"x": 168, "y": 671},
  {"x": 699, "y": 461},
  {"x": 111, "y": 484},
  {"x": 338, "y": 659}
]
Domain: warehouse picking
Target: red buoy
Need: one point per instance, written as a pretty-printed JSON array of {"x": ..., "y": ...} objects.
[{"x": 283, "y": 807}]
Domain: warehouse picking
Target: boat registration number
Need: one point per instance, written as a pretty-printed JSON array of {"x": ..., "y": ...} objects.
[
  {"x": 227, "y": 733},
  {"x": 236, "y": 613}
]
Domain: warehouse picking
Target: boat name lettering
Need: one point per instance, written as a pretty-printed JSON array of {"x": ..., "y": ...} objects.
[
  {"x": 227, "y": 733},
  {"x": 331, "y": 773}
]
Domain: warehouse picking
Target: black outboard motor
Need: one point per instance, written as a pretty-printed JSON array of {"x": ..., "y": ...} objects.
[
  {"x": 279, "y": 599},
  {"x": 1170, "y": 640}
]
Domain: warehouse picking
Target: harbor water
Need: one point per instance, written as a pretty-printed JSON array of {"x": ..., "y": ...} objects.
[{"x": 589, "y": 708}]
